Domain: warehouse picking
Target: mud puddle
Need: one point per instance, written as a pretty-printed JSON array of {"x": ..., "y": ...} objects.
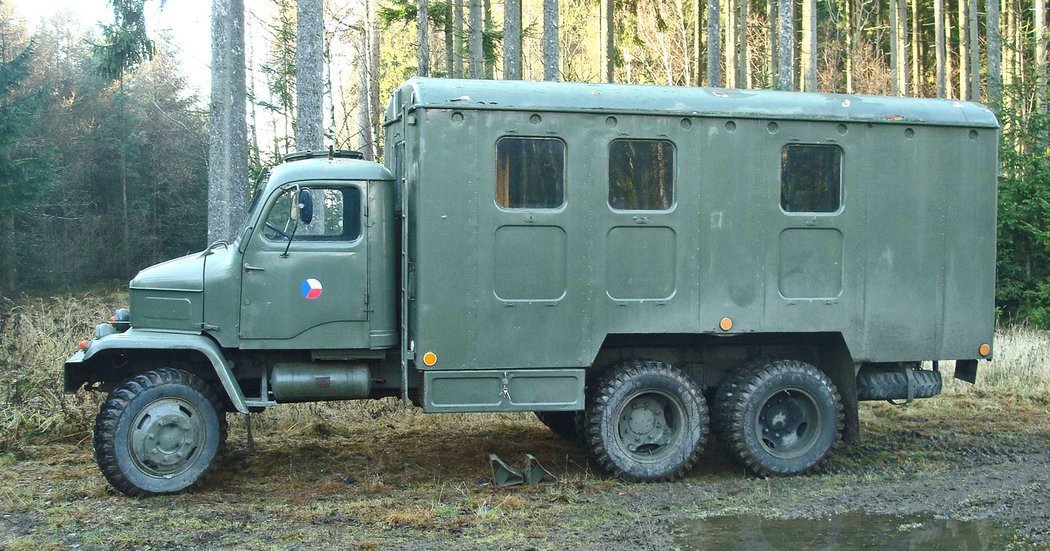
[{"x": 847, "y": 531}]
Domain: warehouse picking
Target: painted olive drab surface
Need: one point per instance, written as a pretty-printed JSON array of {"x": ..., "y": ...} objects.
[{"x": 903, "y": 268}]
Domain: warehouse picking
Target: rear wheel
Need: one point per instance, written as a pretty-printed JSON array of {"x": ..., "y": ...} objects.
[
  {"x": 781, "y": 418},
  {"x": 647, "y": 421},
  {"x": 159, "y": 433},
  {"x": 567, "y": 424}
]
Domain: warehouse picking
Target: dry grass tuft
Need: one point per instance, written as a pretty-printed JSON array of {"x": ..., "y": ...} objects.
[
  {"x": 37, "y": 334},
  {"x": 416, "y": 517},
  {"x": 1021, "y": 364}
]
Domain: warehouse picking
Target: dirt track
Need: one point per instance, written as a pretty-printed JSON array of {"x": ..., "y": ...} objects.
[{"x": 389, "y": 478}]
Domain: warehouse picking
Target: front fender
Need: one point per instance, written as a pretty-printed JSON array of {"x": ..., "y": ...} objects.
[{"x": 142, "y": 340}]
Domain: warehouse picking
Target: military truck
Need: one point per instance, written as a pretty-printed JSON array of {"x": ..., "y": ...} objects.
[{"x": 636, "y": 264}]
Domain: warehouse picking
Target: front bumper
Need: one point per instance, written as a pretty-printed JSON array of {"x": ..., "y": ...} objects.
[{"x": 73, "y": 373}]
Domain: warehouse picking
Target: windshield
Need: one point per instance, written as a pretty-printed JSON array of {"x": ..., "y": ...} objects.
[{"x": 260, "y": 187}]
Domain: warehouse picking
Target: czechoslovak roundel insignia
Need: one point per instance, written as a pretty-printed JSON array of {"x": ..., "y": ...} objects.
[{"x": 311, "y": 289}]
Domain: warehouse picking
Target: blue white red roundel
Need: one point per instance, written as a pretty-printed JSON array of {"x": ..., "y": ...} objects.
[{"x": 311, "y": 288}]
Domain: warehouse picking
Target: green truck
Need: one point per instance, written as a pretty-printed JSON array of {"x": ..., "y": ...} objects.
[{"x": 638, "y": 265}]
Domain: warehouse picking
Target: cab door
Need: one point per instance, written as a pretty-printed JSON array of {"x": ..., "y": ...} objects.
[{"x": 308, "y": 282}]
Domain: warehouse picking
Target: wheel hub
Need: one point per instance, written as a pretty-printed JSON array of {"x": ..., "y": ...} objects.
[
  {"x": 166, "y": 437},
  {"x": 784, "y": 423},
  {"x": 643, "y": 424}
]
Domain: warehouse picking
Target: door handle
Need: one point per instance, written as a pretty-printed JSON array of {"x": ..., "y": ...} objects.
[{"x": 250, "y": 268}]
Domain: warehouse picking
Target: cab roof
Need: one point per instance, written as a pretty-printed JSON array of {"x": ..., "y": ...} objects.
[
  {"x": 690, "y": 101},
  {"x": 319, "y": 166}
]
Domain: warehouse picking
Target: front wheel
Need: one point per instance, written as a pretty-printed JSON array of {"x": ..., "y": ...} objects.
[
  {"x": 647, "y": 421},
  {"x": 781, "y": 418},
  {"x": 159, "y": 433}
]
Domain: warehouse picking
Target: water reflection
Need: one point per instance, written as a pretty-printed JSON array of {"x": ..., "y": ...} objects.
[{"x": 848, "y": 531}]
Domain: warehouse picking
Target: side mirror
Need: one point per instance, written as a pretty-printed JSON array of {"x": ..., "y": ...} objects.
[{"x": 306, "y": 206}]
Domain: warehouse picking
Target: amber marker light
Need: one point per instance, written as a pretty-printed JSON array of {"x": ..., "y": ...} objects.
[
  {"x": 725, "y": 324},
  {"x": 985, "y": 349},
  {"x": 83, "y": 344},
  {"x": 430, "y": 359}
]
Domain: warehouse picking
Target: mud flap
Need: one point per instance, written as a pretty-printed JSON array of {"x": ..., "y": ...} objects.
[
  {"x": 966, "y": 370},
  {"x": 837, "y": 364}
]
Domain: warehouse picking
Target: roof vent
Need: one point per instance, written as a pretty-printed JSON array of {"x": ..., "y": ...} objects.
[{"x": 331, "y": 154}]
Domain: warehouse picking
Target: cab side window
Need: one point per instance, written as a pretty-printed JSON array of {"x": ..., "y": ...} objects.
[{"x": 337, "y": 216}]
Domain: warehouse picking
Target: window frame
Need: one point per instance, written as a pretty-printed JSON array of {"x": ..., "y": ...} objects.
[
  {"x": 841, "y": 180},
  {"x": 674, "y": 174},
  {"x": 318, "y": 186},
  {"x": 564, "y": 175}
]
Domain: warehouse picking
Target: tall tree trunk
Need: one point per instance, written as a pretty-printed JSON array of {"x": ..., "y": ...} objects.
[
  {"x": 771, "y": 37},
  {"x": 916, "y": 69},
  {"x": 1039, "y": 23},
  {"x": 329, "y": 90},
  {"x": 731, "y": 50},
  {"x": 228, "y": 143},
  {"x": 424, "y": 44},
  {"x": 475, "y": 64},
  {"x": 309, "y": 76},
  {"x": 902, "y": 35},
  {"x": 512, "y": 40},
  {"x": 608, "y": 24},
  {"x": 993, "y": 43},
  {"x": 899, "y": 46},
  {"x": 975, "y": 52},
  {"x": 949, "y": 87},
  {"x": 938, "y": 31},
  {"x": 457, "y": 16},
  {"x": 550, "y": 40},
  {"x": 743, "y": 64},
  {"x": 895, "y": 53},
  {"x": 309, "y": 84},
  {"x": 254, "y": 151},
  {"x": 698, "y": 57},
  {"x": 126, "y": 234},
  {"x": 450, "y": 44},
  {"x": 964, "y": 56},
  {"x": 785, "y": 45},
  {"x": 848, "y": 20},
  {"x": 374, "y": 75},
  {"x": 489, "y": 62},
  {"x": 364, "y": 111},
  {"x": 714, "y": 66},
  {"x": 1008, "y": 52},
  {"x": 809, "y": 46}
]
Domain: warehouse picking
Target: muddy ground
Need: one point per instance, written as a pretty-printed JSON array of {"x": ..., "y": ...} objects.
[{"x": 378, "y": 476}]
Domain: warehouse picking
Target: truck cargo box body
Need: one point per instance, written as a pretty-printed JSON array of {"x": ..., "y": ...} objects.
[{"x": 900, "y": 261}]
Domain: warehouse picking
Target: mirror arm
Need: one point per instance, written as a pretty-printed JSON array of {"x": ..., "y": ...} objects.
[{"x": 290, "y": 237}]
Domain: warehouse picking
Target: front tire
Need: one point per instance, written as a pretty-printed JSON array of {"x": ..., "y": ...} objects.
[
  {"x": 647, "y": 421},
  {"x": 159, "y": 433},
  {"x": 781, "y": 418}
]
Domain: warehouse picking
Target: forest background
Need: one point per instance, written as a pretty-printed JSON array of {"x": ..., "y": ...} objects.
[{"x": 104, "y": 158}]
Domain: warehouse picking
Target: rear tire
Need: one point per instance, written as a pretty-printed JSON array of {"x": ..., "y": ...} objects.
[
  {"x": 781, "y": 418},
  {"x": 159, "y": 433},
  {"x": 647, "y": 421},
  {"x": 567, "y": 424}
]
